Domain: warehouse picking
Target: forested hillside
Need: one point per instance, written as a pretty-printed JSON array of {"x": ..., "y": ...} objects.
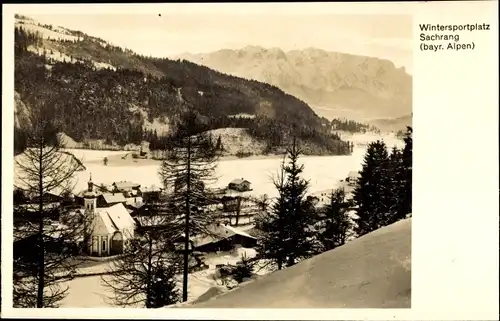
[{"x": 99, "y": 91}]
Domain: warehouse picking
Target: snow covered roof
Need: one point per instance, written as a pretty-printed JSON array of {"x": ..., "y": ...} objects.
[
  {"x": 353, "y": 174},
  {"x": 237, "y": 231},
  {"x": 112, "y": 219},
  {"x": 219, "y": 233},
  {"x": 120, "y": 216},
  {"x": 125, "y": 185},
  {"x": 114, "y": 198},
  {"x": 336, "y": 279},
  {"x": 239, "y": 181},
  {"x": 151, "y": 189}
]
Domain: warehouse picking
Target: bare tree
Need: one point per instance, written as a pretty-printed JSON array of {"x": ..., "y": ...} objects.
[
  {"x": 144, "y": 276},
  {"x": 46, "y": 235},
  {"x": 189, "y": 166}
]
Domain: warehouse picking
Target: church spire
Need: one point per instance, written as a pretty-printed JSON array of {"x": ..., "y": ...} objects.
[{"x": 90, "y": 184}]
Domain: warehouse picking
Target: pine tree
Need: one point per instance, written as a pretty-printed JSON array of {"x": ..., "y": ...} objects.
[
  {"x": 144, "y": 274},
  {"x": 243, "y": 269},
  {"x": 408, "y": 166},
  {"x": 372, "y": 194},
  {"x": 190, "y": 163},
  {"x": 335, "y": 223},
  {"x": 288, "y": 227},
  {"x": 218, "y": 146}
]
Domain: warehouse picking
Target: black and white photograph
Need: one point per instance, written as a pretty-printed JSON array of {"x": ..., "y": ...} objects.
[{"x": 212, "y": 161}]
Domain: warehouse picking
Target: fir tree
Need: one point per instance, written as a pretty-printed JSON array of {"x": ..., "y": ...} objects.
[
  {"x": 372, "y": 194},
  {"x": 243, "y": 269},
  {"x": 288, "y": 227},
  {"x": 335, "y": 223},
  {"x": 218, "y": 146},
  {"x": 408, "y": 166}
]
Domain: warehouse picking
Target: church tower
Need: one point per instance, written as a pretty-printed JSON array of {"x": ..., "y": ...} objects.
[{"x": 90, "y": 198}]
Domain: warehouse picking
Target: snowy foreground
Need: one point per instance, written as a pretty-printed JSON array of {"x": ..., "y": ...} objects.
[
  {"x": 88, "y": 291},
  {"x": 323, "y": 172},
  {"x": 373, "y": 271}
]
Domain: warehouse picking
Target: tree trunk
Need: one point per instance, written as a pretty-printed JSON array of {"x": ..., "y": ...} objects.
[
  {"x": 41, "y": 248},
  {"x": 148, "y": 285},
  {"x": 186, "y": 228}
]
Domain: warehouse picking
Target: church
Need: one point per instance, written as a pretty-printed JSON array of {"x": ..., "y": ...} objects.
[{"x": 110, "y": 227}]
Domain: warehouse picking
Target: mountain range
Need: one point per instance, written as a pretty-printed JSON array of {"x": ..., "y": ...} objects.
[{"x": 335, "y": 85}]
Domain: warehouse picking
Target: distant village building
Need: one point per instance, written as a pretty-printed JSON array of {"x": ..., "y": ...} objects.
[
  {"x": 124, "y": 192},
  {"x": 125, "y": 185},
  {"x": 240, "y": 185},
  {"x": 110, "y": 226},
  {"x": 352, "y": 178},
  {"x": 151, "y": 194},
  {"x": 110, "y": 199},
  {"x": 144, "y": 149}
]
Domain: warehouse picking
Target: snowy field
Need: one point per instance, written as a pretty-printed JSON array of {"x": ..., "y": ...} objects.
[
  {"x": 87, "y": 155},
  {"x": 323, "y": 172}
]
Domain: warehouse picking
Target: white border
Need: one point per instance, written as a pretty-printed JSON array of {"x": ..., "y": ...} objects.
[{"x": 455, "y": 224}]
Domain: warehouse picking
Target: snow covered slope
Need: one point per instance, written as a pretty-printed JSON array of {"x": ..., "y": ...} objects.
[
  {"x": 373, "y": 271},
  {"x": 237, "y": 140}
]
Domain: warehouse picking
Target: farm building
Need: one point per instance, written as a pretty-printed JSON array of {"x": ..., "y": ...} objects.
[
  {"x": 224, "y": 238},
  {"x": 25, "y": 248},
  {"x": 352, "y": 178},
  {"x": 125, "y": 186},
  {"x": 110, "y": 199},
  {"x": 240, "y": 185},
  {"x": 151, "y": 194}
]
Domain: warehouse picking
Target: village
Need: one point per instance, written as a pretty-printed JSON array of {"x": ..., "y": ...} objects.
[{"x": 119, "y": 212}]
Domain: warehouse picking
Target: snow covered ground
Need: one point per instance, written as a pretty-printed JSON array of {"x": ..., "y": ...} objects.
[
  {"x": 87, "y": 155},
  {"x": 373, "y": 271},
  {"x": 88, "y": 292},
  {"x": 323, "y": 172}
]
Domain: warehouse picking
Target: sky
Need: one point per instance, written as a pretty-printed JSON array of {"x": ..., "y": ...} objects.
[{"x": 167, "y": 34}]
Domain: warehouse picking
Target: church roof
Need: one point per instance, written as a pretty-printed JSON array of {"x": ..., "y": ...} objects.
[{"x": 112, "y": 219}]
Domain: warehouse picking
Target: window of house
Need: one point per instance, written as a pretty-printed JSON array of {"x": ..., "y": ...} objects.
[{"x": 104, "y": 245}]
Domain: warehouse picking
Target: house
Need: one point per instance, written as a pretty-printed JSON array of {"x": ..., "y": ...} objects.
[
  {"x": 240, "y": 185},
  {"x": 144, "y": 149},
  {"x": 110, "y": 226},
  {"x": 314, "y": 200},
  {"x": 352, "y": 178},
  {"x": 109, "y": 199},
  {"x": 25, "y": 249},
  {"x": 223, "y": 238},
  {"x": 151, "y": 194},
  {"x": 133, "y": 201},
  {"x": 125, "y": 186}
]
